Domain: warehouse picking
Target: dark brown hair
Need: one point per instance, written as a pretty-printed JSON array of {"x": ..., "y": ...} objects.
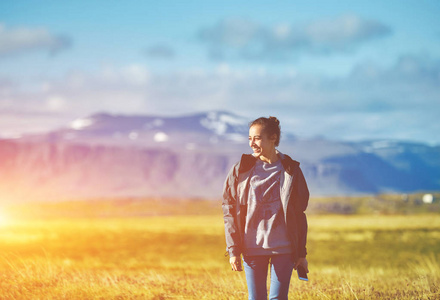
[{"x": 270, "y": 126}]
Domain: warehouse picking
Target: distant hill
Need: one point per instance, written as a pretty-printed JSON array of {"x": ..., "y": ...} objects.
[{"x": 107, "y": 155}]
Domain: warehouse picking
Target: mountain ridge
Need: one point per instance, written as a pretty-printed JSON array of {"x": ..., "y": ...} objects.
[{"x": 106, "y": 155}]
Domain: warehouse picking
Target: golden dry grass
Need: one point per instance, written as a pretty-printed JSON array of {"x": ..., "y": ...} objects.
[{"x": 181, "y": 257}]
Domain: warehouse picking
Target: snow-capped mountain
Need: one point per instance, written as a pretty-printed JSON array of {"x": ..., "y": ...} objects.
[
  {"x": 106, "y": 155},
  {"x": 197, "y": 129}
]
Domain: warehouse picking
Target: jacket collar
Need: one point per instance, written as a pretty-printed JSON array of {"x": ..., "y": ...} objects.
[{"x": 248, "y": 162}]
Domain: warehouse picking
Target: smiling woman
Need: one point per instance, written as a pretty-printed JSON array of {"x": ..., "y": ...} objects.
[{"x": 264, "y": 199}]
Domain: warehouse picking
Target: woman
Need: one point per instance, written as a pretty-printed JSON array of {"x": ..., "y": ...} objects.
[{"x": 264, "y": 199}]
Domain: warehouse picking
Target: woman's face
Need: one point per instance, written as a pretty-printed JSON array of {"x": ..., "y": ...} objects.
[{"x": 260, "y": 143}]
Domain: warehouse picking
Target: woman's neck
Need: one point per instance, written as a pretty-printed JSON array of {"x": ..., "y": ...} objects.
[{"x": 271, "y": 158}]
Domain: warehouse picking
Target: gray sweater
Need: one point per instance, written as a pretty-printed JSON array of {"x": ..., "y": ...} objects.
[{"x": 265, "y": 229}]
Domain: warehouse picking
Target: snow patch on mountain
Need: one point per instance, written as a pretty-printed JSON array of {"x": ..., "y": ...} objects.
[
  {"x": 154, "y": 124},
  {"x": 221, "y": 123},
  {"x": 80, "y": 124},
  {"x": 161, "y": 137}
]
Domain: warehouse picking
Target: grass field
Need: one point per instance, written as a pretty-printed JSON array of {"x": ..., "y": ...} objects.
[{"x": 115, "y": 250}]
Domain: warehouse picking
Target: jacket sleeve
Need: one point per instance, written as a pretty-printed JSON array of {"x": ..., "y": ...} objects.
[
  {"x": 301, "y": 201},
  {"x": 229, "y": 206}
]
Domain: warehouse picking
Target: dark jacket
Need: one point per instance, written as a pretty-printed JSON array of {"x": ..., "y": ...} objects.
[{"x": 294, "y": 197}]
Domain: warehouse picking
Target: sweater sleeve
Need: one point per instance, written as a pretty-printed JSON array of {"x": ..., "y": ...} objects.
[
  {"x": 229, "y": 206},
  {"x": 302, "y": 199}
]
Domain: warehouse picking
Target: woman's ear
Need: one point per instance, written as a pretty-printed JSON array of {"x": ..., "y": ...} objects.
[{"x": 273, "y": 137}]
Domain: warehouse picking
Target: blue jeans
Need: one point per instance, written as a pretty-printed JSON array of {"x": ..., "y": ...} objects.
[{"x": 256, "y": 267}]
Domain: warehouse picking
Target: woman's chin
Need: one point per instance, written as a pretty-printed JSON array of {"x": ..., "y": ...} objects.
[{"x": 256, "y": 153}]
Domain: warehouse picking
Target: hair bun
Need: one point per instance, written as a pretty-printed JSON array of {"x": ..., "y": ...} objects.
[{"x": 275, "y": 120}]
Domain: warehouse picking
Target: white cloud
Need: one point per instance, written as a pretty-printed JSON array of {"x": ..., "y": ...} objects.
[
  {"x": 75, "y": 95},
  {"x": 56, "y": 103},
  {"x": 343, "y": 31},
  {"x": 136, "y": 74},
  {"x": 160, "y": 51},
  {"x": 400, "y": 101},
  {"x": 22, "y": 39},
  {"x": 245, "y": 39}
]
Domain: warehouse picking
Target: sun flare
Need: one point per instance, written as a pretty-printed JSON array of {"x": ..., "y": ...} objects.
[{"x": 4, "y": 220}]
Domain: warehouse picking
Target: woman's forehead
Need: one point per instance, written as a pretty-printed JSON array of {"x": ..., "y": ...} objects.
[{"x": 256, "y": 130}]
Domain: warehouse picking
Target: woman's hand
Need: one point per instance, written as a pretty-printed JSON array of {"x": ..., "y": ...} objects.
[
  {"x": 302, "y": 261},
  {"x": 235, "y": 263}
]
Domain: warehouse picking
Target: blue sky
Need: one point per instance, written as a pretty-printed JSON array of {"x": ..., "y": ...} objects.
[{"x": 345, "y": 70}]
